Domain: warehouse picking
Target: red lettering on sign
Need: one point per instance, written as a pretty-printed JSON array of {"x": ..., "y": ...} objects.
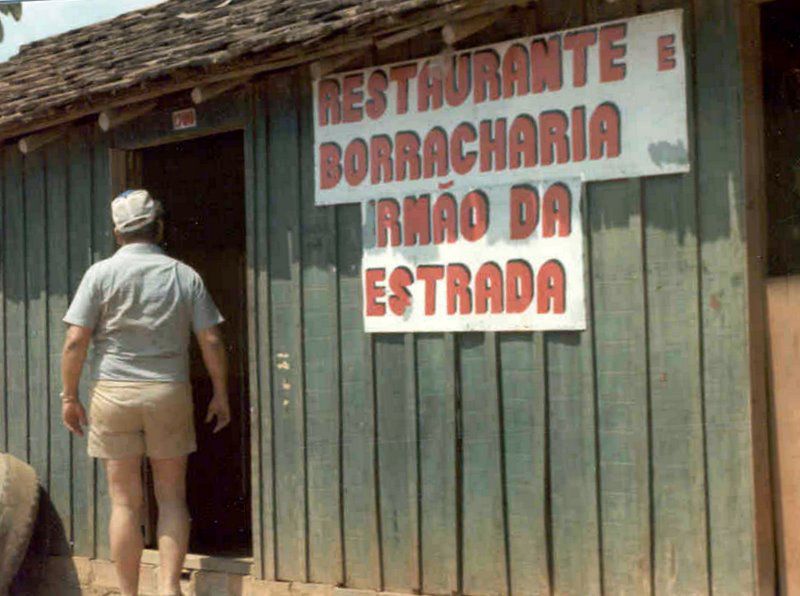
[
  {"x": 355, "y": 162},
  {"x": 604, "y": 132},
  {"x": 416, "y": 221},
  {"x": 557, "y": 211},
  {"x": 429, "y": 89},
  {"x": 578, "y": 42},
  {"x": 522, "y": 142},
  {"x": 489, "y": 289},
  {"x": 373, "y": 292},
  {"x": 183, "y": 119},
  {"x": 329, "y": 110},
  {"x": 380, "y": 158},
  {"x": 459, "y": 296},
  {"x": 474, "y": 215},
  {"x": 546, "y": 73},
  {"x": 486, "y": 66},
  {"x": 352, "y": 97},
  {"x": 430, "y": 274},
  {"x": 519, "y": 286},
  {"x": 376, "y": 89},
  {"x": 550, "y": 288},
  {"x": 401, "y": 75},
  {"x": 387, "y": 216},
  {"x": 406, "y": 156},
  {"x": 524, "y": 215},
  {"x": 516, "y": 71},
  {"x": 578, "y": 133},
  {"x": 666, "y": 53},
  {"x": 445, "y": 222},
  {"x": 330, "y": 169},
  {"x": 493, "y": 145},
  {"x": 554, "y": 140},
  {"x": 611, "y": 51},
  {"x": 434, "y": 153},
  {"x": 462, "y": 162},
  {"x": 399, "y": 281},
  {"x": 457, "y": 81}
]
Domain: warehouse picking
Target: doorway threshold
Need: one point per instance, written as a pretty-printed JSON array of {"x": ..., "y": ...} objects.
[{"x": 220, "y": 564}]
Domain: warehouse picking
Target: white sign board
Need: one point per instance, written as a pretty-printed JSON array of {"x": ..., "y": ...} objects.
[
  {"x": 600, "y": 102},
  {"x": 499, "y": 258}
]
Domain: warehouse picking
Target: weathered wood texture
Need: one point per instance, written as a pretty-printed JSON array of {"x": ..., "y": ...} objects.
[{"x": 612, "y": 461}]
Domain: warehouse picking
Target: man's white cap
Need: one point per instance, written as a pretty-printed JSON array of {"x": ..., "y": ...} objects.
[{"x": 133, "y": 210}]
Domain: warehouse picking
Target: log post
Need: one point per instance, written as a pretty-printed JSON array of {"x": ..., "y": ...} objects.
[
  {"x": 38, "y": 140},
  {"x": 203, "y": 93},
  {"x": 109, "y": 119}
]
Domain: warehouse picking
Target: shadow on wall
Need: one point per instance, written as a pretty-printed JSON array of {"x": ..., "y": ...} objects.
[{"x": 47, "y": 568}]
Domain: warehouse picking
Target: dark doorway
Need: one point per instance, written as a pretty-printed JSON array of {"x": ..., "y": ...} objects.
[
  {"x": 781, "y": 68},
  {"x": 201, "y": 184},
  {"x": 780, "y": 34}
]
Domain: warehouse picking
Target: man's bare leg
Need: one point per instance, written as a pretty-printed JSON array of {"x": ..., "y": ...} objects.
[
  {"x": 169, "y": 482},
  {"x": 125, "y": 530}
]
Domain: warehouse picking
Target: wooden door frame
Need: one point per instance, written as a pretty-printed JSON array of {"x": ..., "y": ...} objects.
[
  {"x": 754, "y": 177},
  {"x": 227, "y": 113}
]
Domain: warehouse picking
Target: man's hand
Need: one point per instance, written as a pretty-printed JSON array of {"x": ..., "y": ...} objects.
[
  {"x": 74, "y": 416},
  {"x": 213, "y": 349},
  {"x": 220, "y": 409}
]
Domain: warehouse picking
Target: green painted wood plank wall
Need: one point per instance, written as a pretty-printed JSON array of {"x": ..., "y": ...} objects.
[{"x": 613, "y": 461}]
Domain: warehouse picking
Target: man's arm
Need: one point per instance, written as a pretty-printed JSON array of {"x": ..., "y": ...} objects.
[
  {"x": 76, "y": 346},
  {"x": 212, "y": 347}
]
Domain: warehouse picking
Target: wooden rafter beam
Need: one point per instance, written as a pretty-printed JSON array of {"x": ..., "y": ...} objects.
[
  {"x": 320, "y": 68},
  {"x": 38, "y": 140},
  {"x": 109, "y": 119},
  {"x": 203, "y": 93},
  {"x": 497, "y": 7},
  {"x": 452, "y": 33}
]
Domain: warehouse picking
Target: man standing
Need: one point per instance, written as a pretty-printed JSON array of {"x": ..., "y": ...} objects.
[{"x": 140, "y": 307}]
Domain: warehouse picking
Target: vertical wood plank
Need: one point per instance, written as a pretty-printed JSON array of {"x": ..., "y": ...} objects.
[
  {"x": 572, "y": 424},
  {"x": 16, "y": 315},
  {"x": 286, "y": 322},
  {"x": 259, "y": 413},
  {"x": 726, "y": 382},
  {"x": 395, "y": 387},
  {"x": 80, "y": 258},
  {"x": 3, "y": 387},
  {"x": 679, "y": 514},
  {"x": 58, "y": 292},
  {"x": 264, "y": 337},
  {"x": 754, "y": 173},
  {"x": 680, "y": 550},
  {"x": 621, "y": 363},
  {"x": 484, "y": 541},
  {"x": 621, "y": 368},
  {"x": 573, "y": 453},
  {"x": 321, "y": 350},
  {"x": 522, "y": 368},
  {"x": 359, "y": 451},
  {"x": 102, "y": 248},
  {"x": 35, "y": 264},
  {"x": 437, "y": 460}
]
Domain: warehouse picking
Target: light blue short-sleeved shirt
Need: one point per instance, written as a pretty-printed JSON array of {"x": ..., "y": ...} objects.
[{"x": 142, "y": 306}]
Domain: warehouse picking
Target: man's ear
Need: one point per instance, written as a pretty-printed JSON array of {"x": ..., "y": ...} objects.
[{"x": 117, "y": 238}]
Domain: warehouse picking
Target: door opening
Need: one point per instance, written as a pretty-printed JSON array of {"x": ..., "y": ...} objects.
[
  {"x": 201, "y": 185},
  {"x": 780, "y": 34}
]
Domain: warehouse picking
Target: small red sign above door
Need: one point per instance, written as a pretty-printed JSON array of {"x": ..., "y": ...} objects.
[{"x": 183, "y": 119}]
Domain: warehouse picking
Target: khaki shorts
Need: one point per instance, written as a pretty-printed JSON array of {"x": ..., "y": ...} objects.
[{"x": 134, "y": 418}]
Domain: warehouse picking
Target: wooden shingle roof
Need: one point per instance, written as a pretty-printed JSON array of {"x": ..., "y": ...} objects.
[{"x": 185, "y": 40}]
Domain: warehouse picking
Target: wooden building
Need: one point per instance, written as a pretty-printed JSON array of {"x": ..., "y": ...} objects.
[{"x": 631, "y": 458}]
